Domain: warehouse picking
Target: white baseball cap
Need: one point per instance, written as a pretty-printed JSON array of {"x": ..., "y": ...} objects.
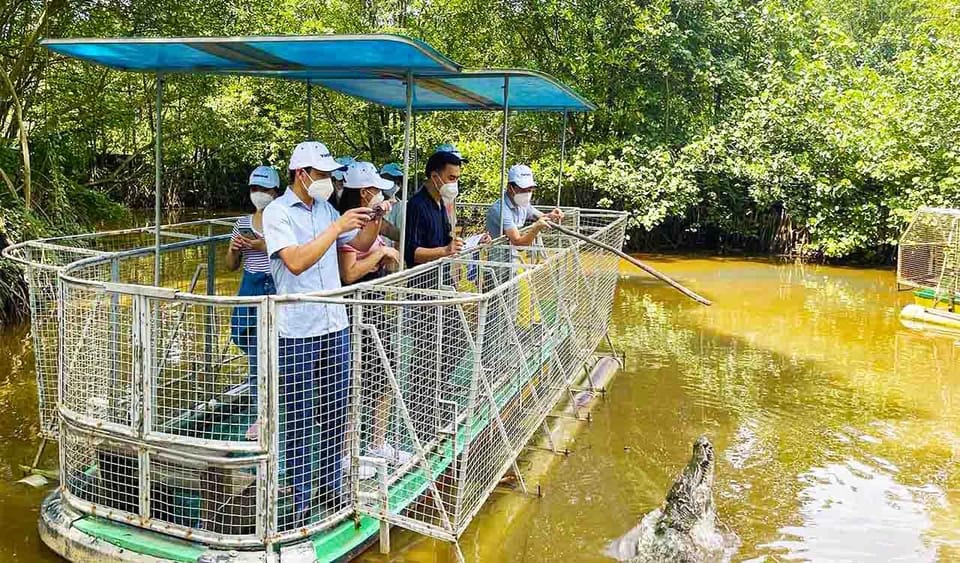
[
  {"x": 313, "y": 154},
  {"x": 344, "y": 161},
  {"x": 522, "y": 176},
  {"x": 265, "y": 177},
  {"x": 361, "y": 175}
]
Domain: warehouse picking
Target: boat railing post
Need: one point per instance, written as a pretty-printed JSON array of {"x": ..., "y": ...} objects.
[
  {"x": 354, "y": 414},
  {"x": 271, "y": 426},
  {"x": 158, "y": 166},
  {"x": 144, "y": 375},
  {"x": 116, "y": 390},
  {"x": 406, "y": 169},
  {"x": 461, "y": 477},
  {"x": 265, "y": 496},
  {"x": 209, "y": 345}
]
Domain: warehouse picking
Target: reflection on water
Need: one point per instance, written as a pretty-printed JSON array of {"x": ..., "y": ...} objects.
[
  {"x": 19, "y": 505},
  {"x": 863, "y": 499},
  {"x": 836, "y": 430}
]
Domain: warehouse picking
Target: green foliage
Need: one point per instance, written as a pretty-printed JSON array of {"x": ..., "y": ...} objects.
[{"x": 807, "y": 127}]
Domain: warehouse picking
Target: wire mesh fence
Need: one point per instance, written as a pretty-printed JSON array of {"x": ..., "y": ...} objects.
[
  {"x": 44, "y": 259},
  {"x": 928, "y": 255},
  {"x": 410, "y": 410}
]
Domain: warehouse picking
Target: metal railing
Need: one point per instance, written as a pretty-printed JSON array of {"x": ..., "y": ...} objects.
[
  {"x": 928, "y": 250},
  {"x": 408, "y": 409}
]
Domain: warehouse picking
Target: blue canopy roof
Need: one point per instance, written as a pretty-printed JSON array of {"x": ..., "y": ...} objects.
[
  {"x": 370, "y": 67},
  {"x": 465, "y": 91},
  {"x": 268, "y": 56}
]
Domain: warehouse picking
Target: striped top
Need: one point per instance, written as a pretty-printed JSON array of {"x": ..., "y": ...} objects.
[{"x": 254, "y": 261}]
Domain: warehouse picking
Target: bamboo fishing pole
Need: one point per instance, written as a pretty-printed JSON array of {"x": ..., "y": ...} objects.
[{"x": 663, "y": 277}]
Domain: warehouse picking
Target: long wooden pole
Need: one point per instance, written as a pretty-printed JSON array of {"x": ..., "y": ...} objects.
[{"x": 663, "y": 277}]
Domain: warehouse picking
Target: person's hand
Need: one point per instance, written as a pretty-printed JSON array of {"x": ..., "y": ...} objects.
[
  {"x": 543, "y": 223},
  {"x": 258, "y": 244},
  {"x": 353, "y": 219},
  {"x": 455, "y": 246},
  {"x": 556, "y": 215},
  {"x": 485, "y": 238},
  {"x": 390, "y": 255},
  {"x": 238, "y": 243}
]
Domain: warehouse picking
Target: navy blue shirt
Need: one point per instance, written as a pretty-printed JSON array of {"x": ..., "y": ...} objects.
[{"x": 427, "y": 225}]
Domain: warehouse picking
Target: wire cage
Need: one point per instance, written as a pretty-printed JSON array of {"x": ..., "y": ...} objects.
[
  {"x": 408, "y": 407},
  {"x": 44, "y": 259},
  {"x": 928, "y": 257}
]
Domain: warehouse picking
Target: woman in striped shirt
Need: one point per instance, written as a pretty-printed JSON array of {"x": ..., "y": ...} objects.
[{"x": 248, "y": 248}]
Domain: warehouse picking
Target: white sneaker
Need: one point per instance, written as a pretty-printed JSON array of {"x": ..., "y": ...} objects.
[
  {"x": 391, "y": 454},
  {"x": 365, "y": 472}
]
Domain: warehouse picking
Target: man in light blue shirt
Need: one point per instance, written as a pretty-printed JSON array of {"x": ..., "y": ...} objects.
[
  {"x": 302, "y": 232},
  {"x": 507, "y": 216},
  {"x": 516, "y": 209}
]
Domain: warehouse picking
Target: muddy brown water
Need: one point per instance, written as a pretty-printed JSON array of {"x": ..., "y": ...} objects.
[{"x": 836, "y": 429}]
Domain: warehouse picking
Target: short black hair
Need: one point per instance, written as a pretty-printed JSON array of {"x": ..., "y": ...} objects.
[
  {"x": 438, "y": 160},
  {"x": 293, "y": 173}
]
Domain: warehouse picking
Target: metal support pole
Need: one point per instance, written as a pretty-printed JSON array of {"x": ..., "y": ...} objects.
[
  {"x": 406, "y": 170},
  {"x": 309, "y": 110},
  {"x": 117, "y": 393},
  {"x": 158, "y": 165},
  {"x": 563, "y": 155},
  {"x": 209, "y": 343},
  {"x": 503, "y": 153},
  {"x": 416, "y": 164},
  {"x": 353, "y": 416}
]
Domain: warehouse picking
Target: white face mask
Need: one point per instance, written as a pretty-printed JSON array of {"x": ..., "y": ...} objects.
[
  {"x": 260, "y": 199},
  {"x": 449, "y": 192},
  {"x": 321, "y": 189},
  {"x": 522, "y": 200},
  {"x": 375, "y": 200}
]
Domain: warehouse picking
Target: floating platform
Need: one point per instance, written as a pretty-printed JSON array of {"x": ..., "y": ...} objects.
[
  {"x": 918, "y": 317},
  {"x": 472, "y": 354},
  {"x": 88, "y": 538}
]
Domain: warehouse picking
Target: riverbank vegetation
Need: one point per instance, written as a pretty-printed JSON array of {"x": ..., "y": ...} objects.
[{"x": 783, "y": 126}]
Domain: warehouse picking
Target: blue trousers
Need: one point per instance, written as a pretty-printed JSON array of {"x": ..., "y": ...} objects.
[
  {"x": 314, "y": 390},
  {"x": 243, "y": 322}
]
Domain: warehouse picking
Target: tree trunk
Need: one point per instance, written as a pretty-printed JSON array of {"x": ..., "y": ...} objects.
[{"x": 24, "y": 144}]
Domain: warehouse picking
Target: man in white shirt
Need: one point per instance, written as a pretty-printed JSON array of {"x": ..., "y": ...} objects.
[{"x": 303, "y": 230}]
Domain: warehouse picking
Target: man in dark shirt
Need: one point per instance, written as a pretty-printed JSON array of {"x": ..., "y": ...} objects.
[
  {"x": 433, "y": 331},
  {"x": 428, "y": 234}
]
